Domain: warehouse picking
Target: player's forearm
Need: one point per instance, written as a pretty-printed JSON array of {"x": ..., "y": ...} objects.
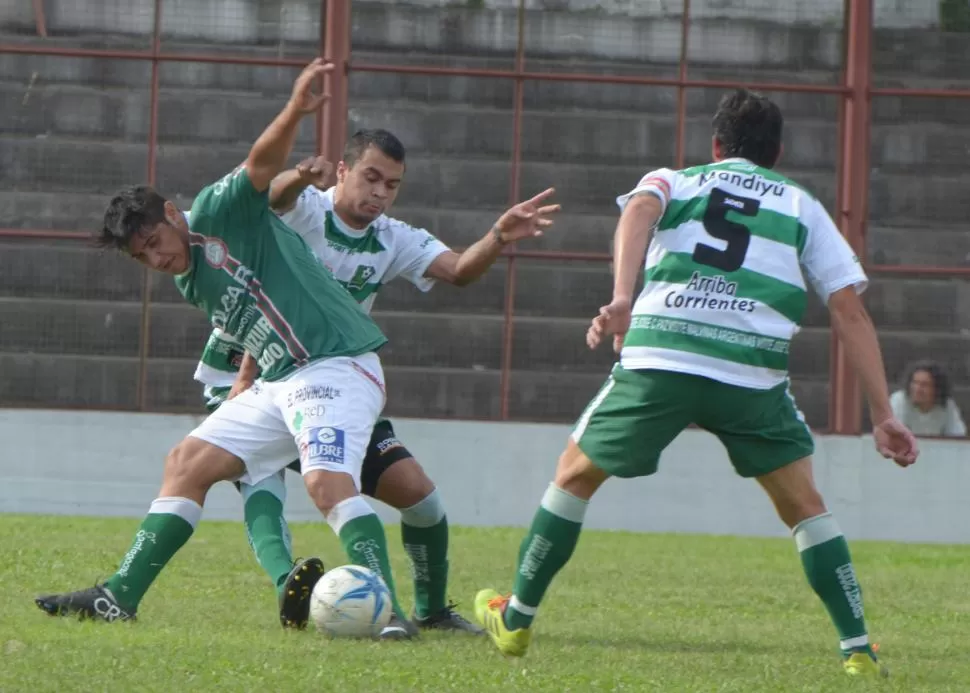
[
  {"x": 285, "y": 189},
  {"x": 477, "y": 258},
  {"x": 858, "y": 336},
  {"x": 248, "y": 369},
  {"x": 633, "y": 234},
  {"x": 268, "y": 156}
]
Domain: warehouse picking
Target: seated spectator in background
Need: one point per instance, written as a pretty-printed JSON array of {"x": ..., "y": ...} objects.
[{"x": 924, "y": 403}]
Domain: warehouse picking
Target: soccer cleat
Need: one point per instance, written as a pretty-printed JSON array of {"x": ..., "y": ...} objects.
[
  {"x": 448, "y": 619},
  {"x": 490, "y": 610},
  {"x": 864, "y": 664},
  {"x": 94, "y": 603},
  {"x": 398, "y": 629},
  {"x": 297, "y": 588}
]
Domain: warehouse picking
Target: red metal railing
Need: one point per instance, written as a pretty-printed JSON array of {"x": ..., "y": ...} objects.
[{"x": 854, "y": 91}]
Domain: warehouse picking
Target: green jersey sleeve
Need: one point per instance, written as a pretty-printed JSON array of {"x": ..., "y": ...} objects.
[{"x": 230, "y": 207}]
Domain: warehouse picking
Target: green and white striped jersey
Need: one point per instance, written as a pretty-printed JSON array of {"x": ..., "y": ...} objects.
[
  {"x": 725, "y": 286},
  {"x": 362, "y": 261}
]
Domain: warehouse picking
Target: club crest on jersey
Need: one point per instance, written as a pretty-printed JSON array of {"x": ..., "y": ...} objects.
[
  {"x": 361, "y": 275},
  {"x": 216, "y": 253}
]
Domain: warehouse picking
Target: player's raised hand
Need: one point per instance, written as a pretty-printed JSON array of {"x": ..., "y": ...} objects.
[
  {"x": 613, "y": 319},
  {"x": 315, "y": 171},
  {"x": 895, "y": 442},
  {"x": 304, "y": 99},
  {"x": 527, "y": 219}
]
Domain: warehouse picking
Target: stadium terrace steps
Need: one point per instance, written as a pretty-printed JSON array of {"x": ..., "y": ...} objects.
[
  {"x": 65, "y": 165},
  {"x": 74, "y": 130}
]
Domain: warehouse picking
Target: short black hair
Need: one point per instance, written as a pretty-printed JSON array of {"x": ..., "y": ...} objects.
[
  {"x": 389, "y": 145},
  {"x": 132, "y": 209},
  {"x": 941, "y": 383},
  {"x": 749, "y": 125}
]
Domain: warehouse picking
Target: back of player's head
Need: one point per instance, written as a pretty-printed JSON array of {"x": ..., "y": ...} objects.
[
  {"x": 749, "y": 125},
  {"x": 130, "y": 211},
  {"x": 384, "y": 141}
]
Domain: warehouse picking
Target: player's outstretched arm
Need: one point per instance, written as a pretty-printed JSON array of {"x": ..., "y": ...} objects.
[
  {"x": 289, "y": 185},
  {"x": 633, "y": 233},
  {"x": 855, "y": 330},
  {"x": 268, "y": 156},
  {"x": 525, "y": 220}
]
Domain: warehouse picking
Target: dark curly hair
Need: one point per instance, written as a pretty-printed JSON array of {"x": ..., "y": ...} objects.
[
  {"x": 941, "y": 383},
  {"x": 749, "y": 125}
]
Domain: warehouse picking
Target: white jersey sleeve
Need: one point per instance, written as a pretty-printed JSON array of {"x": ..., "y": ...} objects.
[
  {"x": 659, "y": 183},
  {"x": 310, "y": 211},
  {"x": 416, "y": 249},
  {"x": 829, "y": 262}
]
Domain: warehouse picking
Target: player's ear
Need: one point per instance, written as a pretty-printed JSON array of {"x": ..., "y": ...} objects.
[
  {"x": 172, "y": 214},
  {"x": 715, "y": 149},
  {"x": 342, "y": 169}
]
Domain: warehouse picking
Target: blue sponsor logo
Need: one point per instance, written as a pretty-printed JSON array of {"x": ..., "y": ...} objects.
[{"x": 323, "y": 444}]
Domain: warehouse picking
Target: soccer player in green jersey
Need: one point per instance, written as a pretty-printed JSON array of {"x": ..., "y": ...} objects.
[
  {"x": 348, "y": 229},
  {"x": 730, "y": 250},
  {"x": 321, "y": 387}
]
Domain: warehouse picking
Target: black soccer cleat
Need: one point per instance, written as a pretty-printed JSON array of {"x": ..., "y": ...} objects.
[
  {"x": 399, "y": 629},
  {"x": 95, "y": 603},
  {"x": 450, "y": 620},
  {"x": 297, "y": 588}
]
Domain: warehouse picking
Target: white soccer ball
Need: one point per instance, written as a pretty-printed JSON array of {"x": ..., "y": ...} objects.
[{"x": 350, "y": 602}]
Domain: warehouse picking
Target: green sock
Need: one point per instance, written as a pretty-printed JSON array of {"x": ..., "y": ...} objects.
[
  {"x": 269, "y": 535},
  {"x": 828, "y": 567},
  {"x": 168, "y": 525},
  {"x": 544, "y": 551},
  {"x": 365, "y": 543},
  {"x": 424, "y": 532}
]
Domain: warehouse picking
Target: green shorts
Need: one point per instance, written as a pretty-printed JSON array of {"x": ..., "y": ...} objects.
[{"x": 637, "y": 414}]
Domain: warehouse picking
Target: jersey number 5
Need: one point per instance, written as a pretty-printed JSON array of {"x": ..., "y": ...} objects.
[{"x": 737, "y": 236}]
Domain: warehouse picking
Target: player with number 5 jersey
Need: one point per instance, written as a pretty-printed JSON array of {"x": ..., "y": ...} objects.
[
  {"x": 731, "y": 251},
  {"x": 727, "y": 275}
]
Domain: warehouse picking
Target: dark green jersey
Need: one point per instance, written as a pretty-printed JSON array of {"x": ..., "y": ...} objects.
[{"x": 260, "y": 283}]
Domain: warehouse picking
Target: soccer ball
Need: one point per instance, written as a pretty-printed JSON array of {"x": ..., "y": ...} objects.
[{"x": 350, "y": 602}]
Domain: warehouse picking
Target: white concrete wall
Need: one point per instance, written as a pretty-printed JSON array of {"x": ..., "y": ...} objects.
[{"x": 91, "y": 463}]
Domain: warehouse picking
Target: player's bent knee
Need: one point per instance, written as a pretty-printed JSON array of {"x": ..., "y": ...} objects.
[
  {"x": 193, "y": 466},
  {"x": 792, "y": 490},
  {"x": 576, "y": 473},
  {"x": 403, "y": 484},
  {"x": 807, "y": 505},
  {"x": 327, "y": 489}
]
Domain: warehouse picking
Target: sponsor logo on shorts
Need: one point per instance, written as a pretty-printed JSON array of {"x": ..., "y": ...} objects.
[
  {"x": 388, "y": 444},
  {"x": 322, "y": 445},
  {"x": 308, "y": 393},
  {"x": 314, "y": 411}
]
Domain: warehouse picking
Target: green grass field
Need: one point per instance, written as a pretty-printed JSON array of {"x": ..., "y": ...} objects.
[{"x": 630, "y": 613}]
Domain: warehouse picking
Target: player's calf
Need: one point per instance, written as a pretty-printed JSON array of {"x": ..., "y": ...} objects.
[
  {"x": 824, "y": 554},
  {"x": 356, "y": 524}
]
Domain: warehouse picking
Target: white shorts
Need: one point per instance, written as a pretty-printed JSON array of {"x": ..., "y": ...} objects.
[{"x": 322, "y": 414}]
